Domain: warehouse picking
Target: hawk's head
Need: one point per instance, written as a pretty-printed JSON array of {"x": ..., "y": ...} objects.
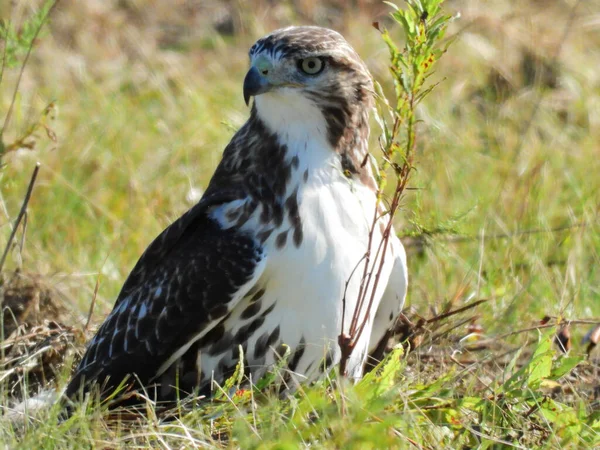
[{"x": 309, "y": 78}]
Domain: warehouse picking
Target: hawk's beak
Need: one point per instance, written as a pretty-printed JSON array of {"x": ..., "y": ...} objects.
[{"x": 255, "y": 84}]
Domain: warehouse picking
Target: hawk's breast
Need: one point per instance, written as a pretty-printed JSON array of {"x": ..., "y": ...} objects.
[{"x": 315, "y": 258}]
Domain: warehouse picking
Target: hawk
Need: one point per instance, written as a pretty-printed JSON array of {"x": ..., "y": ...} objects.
[{"x": 275, "y": 247}]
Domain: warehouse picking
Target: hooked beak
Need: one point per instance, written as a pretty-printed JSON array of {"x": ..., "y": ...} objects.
[{"x": 255, "y": 84}]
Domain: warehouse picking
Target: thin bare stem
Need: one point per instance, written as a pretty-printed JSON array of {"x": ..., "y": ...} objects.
[
  {"x": 367, "y": 258},
  {"x": 92, "y": 305},
  {"x": 381, "y": 249},
  {"x": 456, "y": 311},
  {"x": 21, "y": 214},
  {"x": 346, "y": 290},
  {"x": 453, "y": 238},
  {"x": 22, "y": 241}
]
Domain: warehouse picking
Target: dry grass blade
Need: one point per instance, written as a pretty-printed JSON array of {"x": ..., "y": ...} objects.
[{"x": 92, "y": 305}]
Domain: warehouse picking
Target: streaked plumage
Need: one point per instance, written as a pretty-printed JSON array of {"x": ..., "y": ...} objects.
[{"x": 263, "y": 259}]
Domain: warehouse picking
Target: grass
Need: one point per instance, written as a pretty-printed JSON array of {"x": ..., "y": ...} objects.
[{"x": 504, "y": 207}]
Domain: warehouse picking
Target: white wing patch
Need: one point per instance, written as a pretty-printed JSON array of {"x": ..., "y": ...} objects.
[{"x": 143, "y": 311}]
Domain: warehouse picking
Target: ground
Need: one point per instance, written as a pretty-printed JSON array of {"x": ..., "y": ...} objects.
[{"x": 503, "y": 207}]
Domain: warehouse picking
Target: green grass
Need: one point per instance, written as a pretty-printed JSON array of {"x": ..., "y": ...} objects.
[{"x": 147, "y": 98}]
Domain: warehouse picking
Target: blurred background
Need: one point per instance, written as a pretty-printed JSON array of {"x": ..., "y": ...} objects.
[{"x": 145, "y": 95}]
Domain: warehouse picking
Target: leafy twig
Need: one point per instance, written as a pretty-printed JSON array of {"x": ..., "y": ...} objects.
[{"x": 424, "y": 27}]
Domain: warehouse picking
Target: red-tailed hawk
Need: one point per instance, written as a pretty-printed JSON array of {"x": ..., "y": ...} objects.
[{"x": 274, "y": 245}]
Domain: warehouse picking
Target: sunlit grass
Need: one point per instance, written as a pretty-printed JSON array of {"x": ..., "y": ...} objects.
[{"x": 140, "y": 123}]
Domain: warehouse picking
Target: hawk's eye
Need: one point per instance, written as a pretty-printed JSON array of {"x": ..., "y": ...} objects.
[{"x": 311, "y": 66}]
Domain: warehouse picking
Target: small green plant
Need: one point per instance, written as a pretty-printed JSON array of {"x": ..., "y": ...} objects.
[
  {"x": 519, "y": 404},
  {"x": 423, "y": 24},
  {"x": 18, "y": 41},
  {"x": 17, "y": 45}
]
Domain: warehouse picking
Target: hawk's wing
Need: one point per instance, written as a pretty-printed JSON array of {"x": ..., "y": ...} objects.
[{"x": 187, "y": 280}]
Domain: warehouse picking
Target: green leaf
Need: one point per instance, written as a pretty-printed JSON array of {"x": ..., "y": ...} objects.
[
  {"x": 427, "y": 391},
  {"x": 392, "y": 366},
  {"x": 539, "y": 370},
  {"x": 564, "y": 365},
  {"x": 540, "y": 365},
  {"x": 235, "y": 380},
  {"x": 271, "y": 375},
  {"x": 384, "y": 376}
]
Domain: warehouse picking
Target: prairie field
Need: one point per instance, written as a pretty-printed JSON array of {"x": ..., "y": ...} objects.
[{"x": 127, "y": 106}]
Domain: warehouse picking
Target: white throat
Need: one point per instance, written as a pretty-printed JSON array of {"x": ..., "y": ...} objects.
[{"x": 292, "y": 116}]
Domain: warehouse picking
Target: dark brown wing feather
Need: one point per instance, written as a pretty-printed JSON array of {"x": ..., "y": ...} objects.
[{"x": 181, "y": 285}]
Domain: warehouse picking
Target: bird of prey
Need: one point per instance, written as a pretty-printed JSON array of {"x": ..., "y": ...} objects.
[{"x": 274, "y": 249}]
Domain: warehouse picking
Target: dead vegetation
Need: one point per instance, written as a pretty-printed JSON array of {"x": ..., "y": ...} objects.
[
  {"x": 37, "y": 340},
  {"x": 455, "y": 339},
  {"x": 27, "y": 300}
]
